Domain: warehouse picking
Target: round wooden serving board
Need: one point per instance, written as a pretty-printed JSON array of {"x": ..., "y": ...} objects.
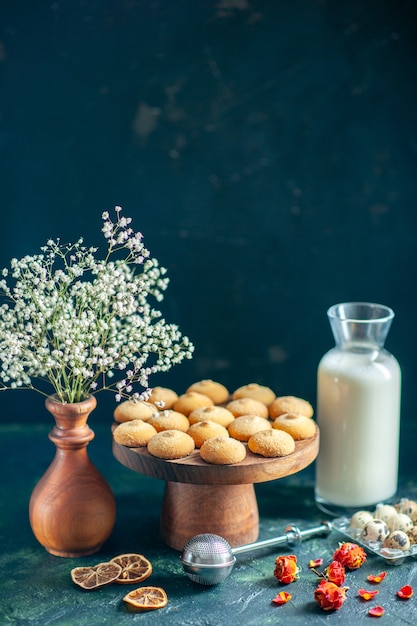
[
  {"x": 204, "y": 498},
  {"x": 192, "y": 469}
]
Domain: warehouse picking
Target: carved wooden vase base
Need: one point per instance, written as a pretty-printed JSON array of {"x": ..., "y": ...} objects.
[{"x": 72, "y": 509}]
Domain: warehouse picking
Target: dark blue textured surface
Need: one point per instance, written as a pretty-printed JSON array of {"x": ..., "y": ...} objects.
[
  {"x": 36, "y": 588},
  {"x": 266, "y": 149}
]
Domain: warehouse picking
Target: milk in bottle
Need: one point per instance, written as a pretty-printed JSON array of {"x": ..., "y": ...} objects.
[{"x": 358, "y": 411}]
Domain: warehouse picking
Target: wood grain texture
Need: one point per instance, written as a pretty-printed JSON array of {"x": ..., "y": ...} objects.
[
  {"x": 72, "y": 509},
  {"x": 204, "y": 498},
  {"x": 192, "y": 469},
  {"x": 230, "y": 511}
]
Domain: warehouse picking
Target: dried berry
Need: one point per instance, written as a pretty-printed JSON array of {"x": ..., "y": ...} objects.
[
  {"x": 350, "y": 555},
  {"x": 329, "y": 596},
  {"x": 286, "y": 570},
  {"x": 335, "y": 573}
]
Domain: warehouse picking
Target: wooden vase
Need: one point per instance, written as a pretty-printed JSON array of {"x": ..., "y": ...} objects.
[{"x": 72, "y": 510}]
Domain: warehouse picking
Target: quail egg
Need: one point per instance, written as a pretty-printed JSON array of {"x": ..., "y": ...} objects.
[
  {"x": 397, "y": 539},
  {"x": 409, "y": 507},
  {"x": 412, "y": 535},
  {"x": 386, "y": 512},
  {"x": 403, "y": 522},
  {"x": 360, "y": 518},
  {"x": 375, "y": 530}
]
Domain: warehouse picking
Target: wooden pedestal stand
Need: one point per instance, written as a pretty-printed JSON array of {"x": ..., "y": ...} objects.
[{"x": 204, "y": 498}]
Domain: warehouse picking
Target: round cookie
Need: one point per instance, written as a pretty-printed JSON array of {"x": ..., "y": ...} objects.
[
  {"x": 171, "y": 444},
  {"x": 247, "y": 406},
  {"x": 133, "y": 410},
  {"x": 163, "y": 397},
  {"x": 214, "y": 390},
  {"x": 296, "y": 425},
  {"x": 217, "y": 414},
  {"x": 222, "y": 451},
  {"x": 169, "y": 420},
  {"x": 134, "y": 433},
  {"x": 187, "y": 402},
  {"x": 271, "y": 443},
  {"x": 244, "y": 426},
  {"x": 257, "y": 392},
  {"x": 290, "y": 404},
  {"x": 201, "y": 431}
]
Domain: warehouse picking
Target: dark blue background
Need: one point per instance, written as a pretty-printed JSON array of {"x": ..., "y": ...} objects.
[{"x": 266, "y": 149}]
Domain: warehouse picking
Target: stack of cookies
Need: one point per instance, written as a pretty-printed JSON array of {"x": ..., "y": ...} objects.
[{"x": 221, "y": 425}]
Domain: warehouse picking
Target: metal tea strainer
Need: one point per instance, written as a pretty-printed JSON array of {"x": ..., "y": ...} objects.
[{"x": 208, "y": 559}]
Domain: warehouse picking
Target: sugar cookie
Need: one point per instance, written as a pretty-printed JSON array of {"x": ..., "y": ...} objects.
[
  {"x": 271, "y": 443},
  {"x": 171, "y": 444},
  {"x": 222, "y": 451},
  {"x": 133, "y": 410},
  {"x": 163, "y": 397},
  {"x": 290, "y": 404},
  {"x": 214, "y": 390},
  {"x": 247, "y": 406},
  {"x": 187, "y": 402},
  {"x": 201, "y": 431},
  {"x": 296, "y": 425},
  {"x": 169, "y": 420},
  {"x": 257, "y": 392},
  {"x": 244, "y": 426},
  {"x": 134, "y": 433},
  {"x": 217, "y": 414}
]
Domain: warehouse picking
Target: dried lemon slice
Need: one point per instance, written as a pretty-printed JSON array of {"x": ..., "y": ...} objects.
[
  {"x": 96, "y": 576},
  {"x": 147, "y": 598},
  {"x": 135, "y": 568}
]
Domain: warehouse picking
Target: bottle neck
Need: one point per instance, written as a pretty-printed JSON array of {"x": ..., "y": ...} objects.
[{"x": 360, "y": 326}]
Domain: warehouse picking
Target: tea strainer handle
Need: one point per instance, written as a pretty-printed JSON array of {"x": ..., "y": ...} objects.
[{"x": 293, "y": 537}]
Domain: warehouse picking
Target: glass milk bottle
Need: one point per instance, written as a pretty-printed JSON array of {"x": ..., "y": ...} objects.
[{"x": 358, "y": 411}]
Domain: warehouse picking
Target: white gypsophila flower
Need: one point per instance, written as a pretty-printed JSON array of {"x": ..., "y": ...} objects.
[{"x": 74, "y": 321}]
